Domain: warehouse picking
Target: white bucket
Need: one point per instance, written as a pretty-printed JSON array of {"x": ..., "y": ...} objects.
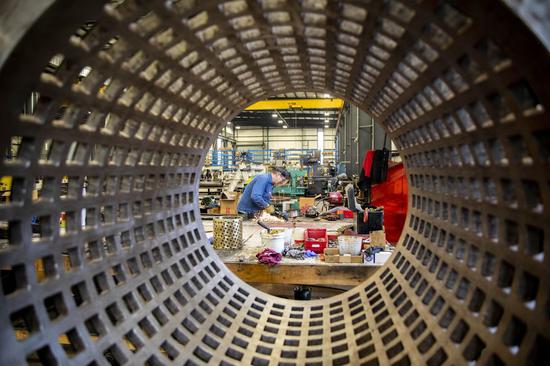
[
  {"x": 349, "y": 244},
  {"x": 275, "y": 242},
  {"x": 288, "y": 235}
]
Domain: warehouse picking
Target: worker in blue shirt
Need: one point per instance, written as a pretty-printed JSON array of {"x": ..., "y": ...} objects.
[{"x": 257, "y": 194}]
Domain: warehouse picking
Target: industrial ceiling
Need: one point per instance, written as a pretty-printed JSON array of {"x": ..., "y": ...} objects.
[{"x": 301, "y": 113}]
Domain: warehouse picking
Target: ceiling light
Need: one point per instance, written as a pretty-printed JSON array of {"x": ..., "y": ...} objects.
[
  {"x": 326, "y": 126},
  {"x": 238, "y": 127},
  {"x": 326, "y": 119},
  {"x": 274, "y": 115},
  {"x": 326, "y": 113},
  {"x": 326, "y": 95},
  {"x": 285, "y": 126},
  {"x": 229, "y": 122},
  {"x": 280, "y": 121}
]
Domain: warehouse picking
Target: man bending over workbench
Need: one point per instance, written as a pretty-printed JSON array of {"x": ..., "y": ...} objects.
[{"x": 257, "y": 194}]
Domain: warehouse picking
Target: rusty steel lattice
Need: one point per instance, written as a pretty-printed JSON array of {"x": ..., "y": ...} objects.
[{"x": 113, "y": 106}]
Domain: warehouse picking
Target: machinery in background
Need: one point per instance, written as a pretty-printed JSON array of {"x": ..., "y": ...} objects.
[
  {"x": 335, "y": 198},
  {"x": 309, "y": 179},
  {"x": 209, "y": 188},
  {"x": 317, "y": 185},
  {"x": 297, "y": 184},
  {"x": 311, "y": 162},
  {"x": 279, "y": 158}
]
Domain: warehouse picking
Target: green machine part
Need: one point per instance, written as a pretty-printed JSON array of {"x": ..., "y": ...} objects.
[{"x": 295, "y": 186}]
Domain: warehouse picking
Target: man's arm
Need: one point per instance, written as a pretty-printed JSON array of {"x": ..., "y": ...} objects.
[{"x": 258, "y": 191}]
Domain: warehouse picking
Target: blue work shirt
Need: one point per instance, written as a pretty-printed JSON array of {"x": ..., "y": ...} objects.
[{"x": 257, "y": 194}]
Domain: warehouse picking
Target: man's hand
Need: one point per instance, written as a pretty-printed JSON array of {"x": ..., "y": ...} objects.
[{"x": 270, "y": 209}]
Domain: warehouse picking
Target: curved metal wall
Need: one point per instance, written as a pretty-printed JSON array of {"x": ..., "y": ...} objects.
[{"x": 143, "y": 88}]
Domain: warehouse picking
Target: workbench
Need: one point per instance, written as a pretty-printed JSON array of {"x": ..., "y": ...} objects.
[{"x": 310, "y": 271}]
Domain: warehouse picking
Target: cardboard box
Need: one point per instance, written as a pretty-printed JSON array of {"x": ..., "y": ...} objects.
[
  {"x": 306, "y": 202},
  {"x": 346, "y": 258},
  {"x": 356, "y": 259},
  {"x": 378, "y": 238},
  {"x": 228, "y": 203},
  {"x": 213, "y": 211},
  {"x": 332, "y": 251},
  {"x": 332, "y": 258}
]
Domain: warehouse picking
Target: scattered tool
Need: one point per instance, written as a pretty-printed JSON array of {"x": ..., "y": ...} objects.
[
  {"x": 249, "y": 236},
  {"x": 281, "y": 215},
  {"x": 294, "y": 253},
  {"x": 370, "y": 253},
  {"x": 311, "y": 212}
]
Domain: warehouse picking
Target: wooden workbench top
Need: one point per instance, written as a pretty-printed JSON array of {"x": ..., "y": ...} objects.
[{"x": 309, "y": 271}]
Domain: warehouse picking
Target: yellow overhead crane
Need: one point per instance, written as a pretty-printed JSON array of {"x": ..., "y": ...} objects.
[{"x": 280, "y": 104}]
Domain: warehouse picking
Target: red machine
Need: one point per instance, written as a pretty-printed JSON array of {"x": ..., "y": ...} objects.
[
  {"x": 393, "y": 195},
  {"x": 335, "y": 198}
]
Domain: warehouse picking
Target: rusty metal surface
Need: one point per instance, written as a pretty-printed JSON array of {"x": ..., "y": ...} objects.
[
  {"x": 228, "y": 233},
  {"x": 133, "y": 97}
]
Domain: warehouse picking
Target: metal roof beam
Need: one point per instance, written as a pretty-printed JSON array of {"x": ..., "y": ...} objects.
[{"x": 280, "y": 104}]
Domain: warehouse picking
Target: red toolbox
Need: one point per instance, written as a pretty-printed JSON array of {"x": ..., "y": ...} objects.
[
  {"x": 316, "y": 240},
  {"x": 316, "y": 233},
  {"x": 315, "y": 245}
]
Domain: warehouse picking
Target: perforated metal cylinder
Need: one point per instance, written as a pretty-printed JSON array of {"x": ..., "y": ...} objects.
[
  {"x": 228, "y": 233},
  {"x": 113, "y": 105}
]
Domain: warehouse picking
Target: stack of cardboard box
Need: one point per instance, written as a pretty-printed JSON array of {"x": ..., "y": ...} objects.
[
  {"x": 332, "y": 255},
  {"x": 228, "y": 203},
  {"x": 378, "y": 238}
]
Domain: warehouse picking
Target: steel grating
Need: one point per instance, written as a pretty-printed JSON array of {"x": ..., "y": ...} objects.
[{"x": 126, "y": 99}]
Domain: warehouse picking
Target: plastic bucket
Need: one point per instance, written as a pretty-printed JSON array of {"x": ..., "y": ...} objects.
[
  {"x": 275, "y": 242},
  {"x": 288, "y": 235},
  {"x": 349, "y": 244}
]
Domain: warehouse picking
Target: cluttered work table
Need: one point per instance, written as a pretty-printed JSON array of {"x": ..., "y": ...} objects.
[{"x": 305, "y": 271}]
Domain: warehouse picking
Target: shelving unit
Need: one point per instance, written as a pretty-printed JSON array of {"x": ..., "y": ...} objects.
[{"x": 228, "y": 159}]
